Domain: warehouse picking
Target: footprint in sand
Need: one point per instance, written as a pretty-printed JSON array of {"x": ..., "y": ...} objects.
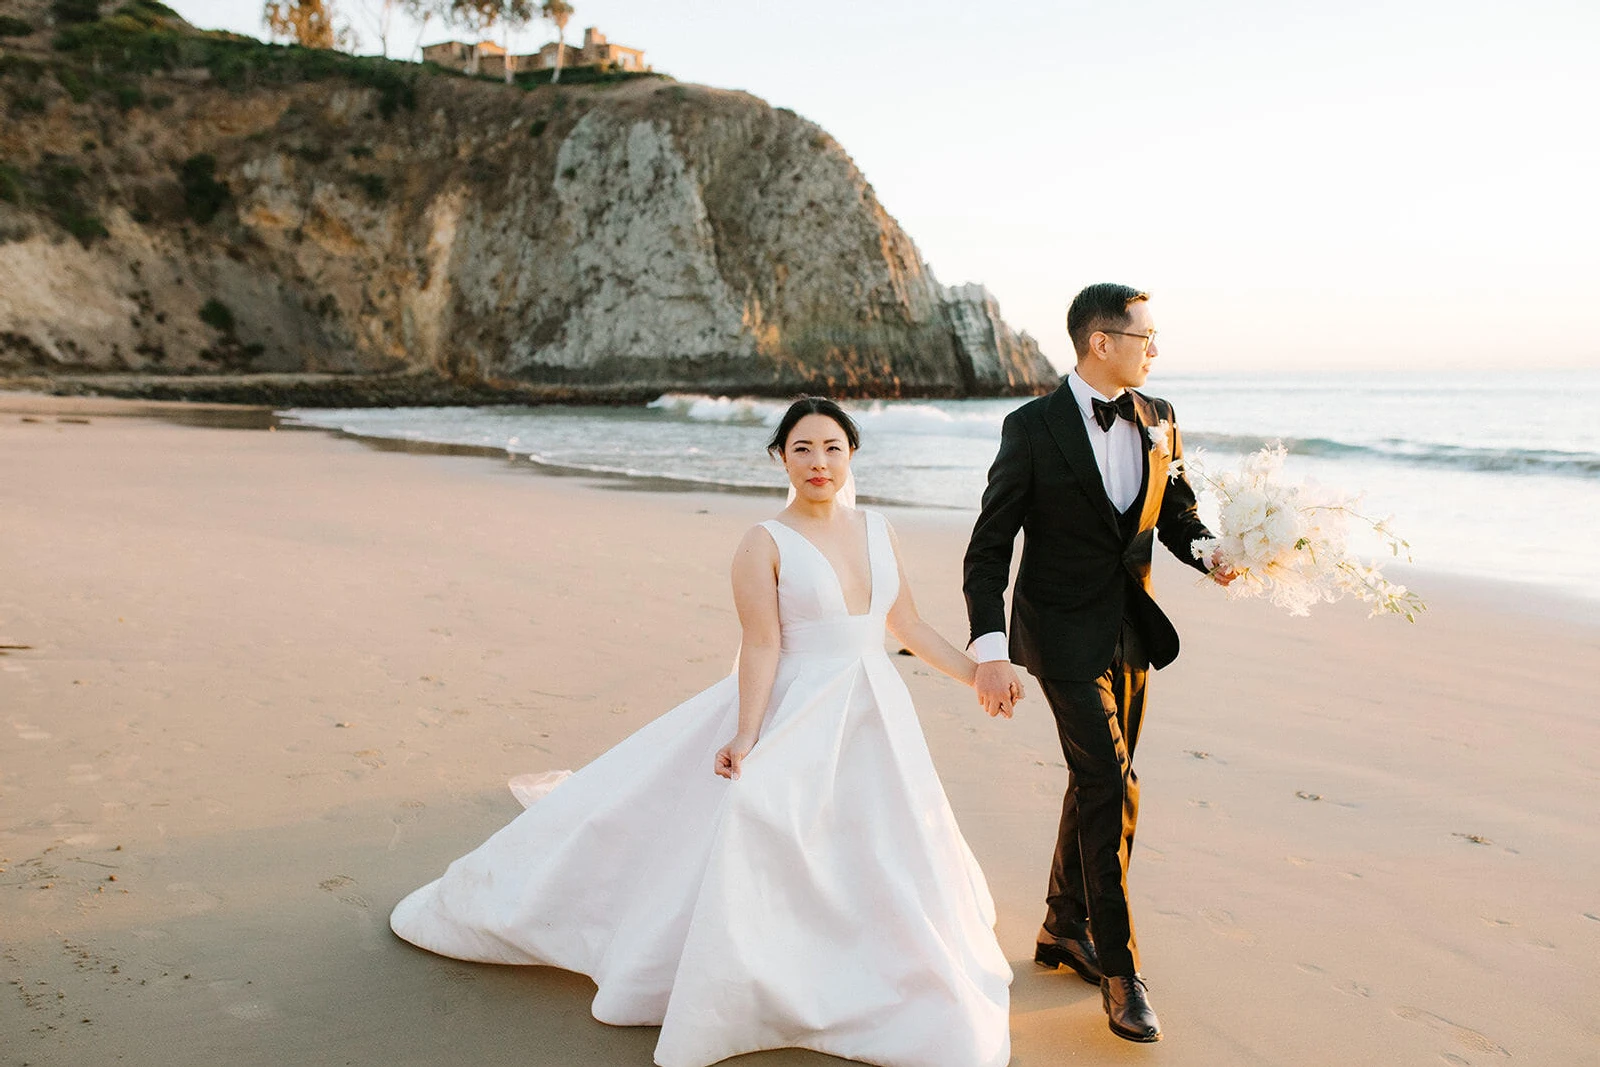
[
  {"x": 1223, "y": 923},
  {"x": 251, "y": 1011},
  {"x": 82, "y": 774},
  {"x": 337, "y": 885},
  {"x": 231, "y": 997},
  {"x": 410, "y": 811},
  {"x": 1307, "y": 795},
  {"x": 1464, "y": 1036},
  {"x": 371, "y": 757},
  {"x": 193, "y": 900}
]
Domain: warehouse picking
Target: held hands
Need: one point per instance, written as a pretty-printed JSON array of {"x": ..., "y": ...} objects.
[
  {"x": 732, "y": 754},
  {"x": 998, "y": 688}
]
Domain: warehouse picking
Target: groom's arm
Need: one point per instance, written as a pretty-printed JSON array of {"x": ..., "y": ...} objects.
[
  {"x": 1178, "y": 523},
  {"x": 987, "y": 568}
]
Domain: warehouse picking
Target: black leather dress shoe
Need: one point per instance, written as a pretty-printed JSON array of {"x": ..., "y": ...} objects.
[
  {"x": 1128, "y": 1008},
  {"x": 1079, "y": 955}
]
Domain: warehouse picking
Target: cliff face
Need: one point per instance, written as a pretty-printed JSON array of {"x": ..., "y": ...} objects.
[{"x": 641, "y": 235}]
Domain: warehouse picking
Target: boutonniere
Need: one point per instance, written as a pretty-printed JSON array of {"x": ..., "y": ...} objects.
[{"x": 1161, "y": 437}]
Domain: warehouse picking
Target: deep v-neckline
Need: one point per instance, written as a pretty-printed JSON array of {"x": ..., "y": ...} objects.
[{"x": 838, "y": 583}]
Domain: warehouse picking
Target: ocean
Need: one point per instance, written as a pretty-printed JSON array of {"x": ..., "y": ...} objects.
[{"x": 1486, "y": 475}]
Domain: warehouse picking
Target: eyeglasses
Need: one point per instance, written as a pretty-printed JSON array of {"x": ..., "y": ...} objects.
[{"x": 1148, "y": 338}]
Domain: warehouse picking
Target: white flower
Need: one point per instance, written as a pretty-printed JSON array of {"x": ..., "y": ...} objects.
[
  {"x": 1258, "y": 547},
  {"x": 1244, "y": 512},
  {"x": 1161, "y": 437},
  {"x": 1282, "y": 527},
  {"x": 1287, "y": 542}
]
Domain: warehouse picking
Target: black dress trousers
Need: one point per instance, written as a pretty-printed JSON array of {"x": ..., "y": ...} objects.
[{"x": 1098, "y": 722}]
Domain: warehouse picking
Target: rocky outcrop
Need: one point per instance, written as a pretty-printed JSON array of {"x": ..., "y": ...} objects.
[
  {"x": 591, "y": 239},
  {"x": 1000, "y": 360}
]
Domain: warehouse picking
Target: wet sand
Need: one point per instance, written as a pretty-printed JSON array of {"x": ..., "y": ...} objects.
[{"x": 257, "y": 686}]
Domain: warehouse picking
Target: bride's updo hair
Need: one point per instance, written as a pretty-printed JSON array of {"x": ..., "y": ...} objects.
[{"x": 812, "y": 405}]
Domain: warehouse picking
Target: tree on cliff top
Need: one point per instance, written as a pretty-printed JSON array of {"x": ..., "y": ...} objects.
[
  {"x": 558, "y": 12},
  {"x": 421, "y": 11},
  {"x": 380, "y": 18},
  {"x": 306, "y": 22},
  {"x": 474, "y": 18},
  {"x": 509, "y": 15},
  {"x": 481, "y": 16}
]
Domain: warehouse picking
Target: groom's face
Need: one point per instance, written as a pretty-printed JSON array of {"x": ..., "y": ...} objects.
[{"x": 1128, "y": 358}]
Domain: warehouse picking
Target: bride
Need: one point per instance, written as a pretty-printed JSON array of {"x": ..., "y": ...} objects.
[{"x": 814, "y": 891}]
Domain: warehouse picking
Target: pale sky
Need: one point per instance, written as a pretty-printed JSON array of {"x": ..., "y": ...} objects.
[{"x": 1406, "y": 184}]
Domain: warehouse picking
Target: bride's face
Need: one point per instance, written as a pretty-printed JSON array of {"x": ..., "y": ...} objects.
[{"x": 817, "y": 458}]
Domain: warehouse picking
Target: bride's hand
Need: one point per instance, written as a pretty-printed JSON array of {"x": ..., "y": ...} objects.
[{"x": 732, "y": 754}]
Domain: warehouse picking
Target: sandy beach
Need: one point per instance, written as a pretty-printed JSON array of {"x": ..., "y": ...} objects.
[{"x": 256, "y": 686}]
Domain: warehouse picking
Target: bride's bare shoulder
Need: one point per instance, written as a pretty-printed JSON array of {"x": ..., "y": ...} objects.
[{"x": 757, "y": 542}]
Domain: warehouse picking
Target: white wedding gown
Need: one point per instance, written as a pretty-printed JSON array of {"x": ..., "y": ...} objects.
[{"x": 824, "y": 900}]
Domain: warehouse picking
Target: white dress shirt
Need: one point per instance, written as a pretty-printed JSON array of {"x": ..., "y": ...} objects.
[{"x": 1118, "y": 453}]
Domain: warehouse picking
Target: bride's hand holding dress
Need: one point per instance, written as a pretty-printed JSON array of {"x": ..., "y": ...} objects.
[{"x": 755, "y": 598}]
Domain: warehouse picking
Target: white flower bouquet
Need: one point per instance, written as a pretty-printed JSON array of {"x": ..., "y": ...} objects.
[{"x": 1289, "y": 542}]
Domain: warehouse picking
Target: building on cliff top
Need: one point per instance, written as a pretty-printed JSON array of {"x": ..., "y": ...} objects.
[
  {"x": 595, "y": 51},
  {"x": 458, "y": 54}
]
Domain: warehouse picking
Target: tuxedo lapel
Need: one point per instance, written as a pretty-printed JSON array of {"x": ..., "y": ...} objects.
[
  {"x": 1157, "y": 461},
  {"x": 1065, "y": 422}
]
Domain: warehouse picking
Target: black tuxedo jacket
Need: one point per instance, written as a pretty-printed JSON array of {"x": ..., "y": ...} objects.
[{"x": 1083, "y": 567}]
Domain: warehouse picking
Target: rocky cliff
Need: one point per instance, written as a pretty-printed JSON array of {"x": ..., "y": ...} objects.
[{"x": 176, "y": 203}]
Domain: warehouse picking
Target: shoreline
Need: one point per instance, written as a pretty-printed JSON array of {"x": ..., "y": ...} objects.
[
  {"x": 1490, "y": 593},
  {"x": 262, "y": 685},
  {"x": 317, "y": 390}
]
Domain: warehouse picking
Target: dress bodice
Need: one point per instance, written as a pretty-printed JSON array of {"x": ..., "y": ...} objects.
[{"x": 811, "y": 605}]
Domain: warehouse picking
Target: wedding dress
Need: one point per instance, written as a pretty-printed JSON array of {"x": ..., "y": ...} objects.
[{"x": 824, "y": 900}]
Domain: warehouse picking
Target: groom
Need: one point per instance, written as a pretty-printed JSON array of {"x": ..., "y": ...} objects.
[{"x": 1088, "y": 473}]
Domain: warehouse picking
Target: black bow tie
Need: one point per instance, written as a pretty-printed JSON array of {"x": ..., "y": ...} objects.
[{"x": 1107, "y": 411}]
